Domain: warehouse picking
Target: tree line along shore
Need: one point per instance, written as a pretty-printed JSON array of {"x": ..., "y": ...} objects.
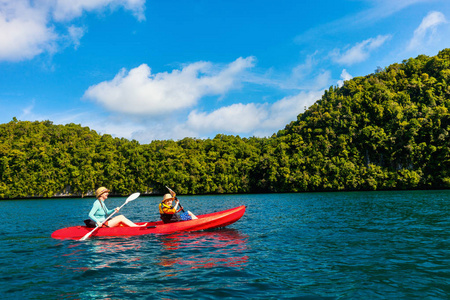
[{"x": 384, "y": 131}]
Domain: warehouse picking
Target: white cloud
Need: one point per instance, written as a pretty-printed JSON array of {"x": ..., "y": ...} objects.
[
  {"x": 286, "y": 110},
  {"x": 141, "y": 93},
  {"x": 426, "y": 29},
  {"x": 23, "y": 31},
  {"x": 250, "y": 119},
  {"x": 75, "y": 35},
  {"x": 360, "y": 52},
  {"x": 27, "y": 28},
  {"x": 64, "y": 10},
  {"x": 236, "y": 118},
  {"x": 344, "y": 77}
]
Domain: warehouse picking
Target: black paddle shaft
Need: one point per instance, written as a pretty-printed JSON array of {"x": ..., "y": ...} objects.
[{"x": 179, "y": 203}]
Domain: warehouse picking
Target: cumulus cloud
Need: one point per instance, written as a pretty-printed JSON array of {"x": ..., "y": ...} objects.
[
  {"x": 140, "y": 92},
  {"x": 27, "y": 28},
  {"x": 360, "y": 52},
  {"x": 252, "y": 118},
  {"x": 23, "y": 31},
  {"x": 236, "y": 118},
  {"x": 244, "y": 119},
  {"x": 344, "y": 77},
  {"x": 426, "y": 30}
]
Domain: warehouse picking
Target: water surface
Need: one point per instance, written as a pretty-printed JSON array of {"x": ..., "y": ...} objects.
[{"x": 359, "y": 245}]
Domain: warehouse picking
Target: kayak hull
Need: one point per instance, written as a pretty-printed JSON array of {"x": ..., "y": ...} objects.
[{"x": 207, "y": 221}]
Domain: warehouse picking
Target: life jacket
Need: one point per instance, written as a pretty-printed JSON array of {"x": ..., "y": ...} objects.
[
  {"x": 166, "y": 209},
  {"x": 168, "y": 213}
]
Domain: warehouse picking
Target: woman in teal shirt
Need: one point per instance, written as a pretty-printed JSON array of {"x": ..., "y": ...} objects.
[{"x": 100, "y": 212}]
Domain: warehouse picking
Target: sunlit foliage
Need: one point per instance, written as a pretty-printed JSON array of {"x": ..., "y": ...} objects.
[{"x": 387, "y": 130}]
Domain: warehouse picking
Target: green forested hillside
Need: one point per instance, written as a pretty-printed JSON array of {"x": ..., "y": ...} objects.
[
  {"x": 388, "y": 130},
  {"x": 382, "y": 131},
  {"x": 42, "y": 159}
]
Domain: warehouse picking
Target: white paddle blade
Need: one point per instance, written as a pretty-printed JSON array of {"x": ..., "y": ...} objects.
[{"x": 133, "y": 197}]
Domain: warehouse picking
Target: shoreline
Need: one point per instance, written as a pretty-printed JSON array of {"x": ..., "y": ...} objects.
[{"x": 157, "y": 193}]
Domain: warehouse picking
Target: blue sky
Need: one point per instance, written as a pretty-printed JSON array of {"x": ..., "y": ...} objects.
[{"x": 169, "y": 69}]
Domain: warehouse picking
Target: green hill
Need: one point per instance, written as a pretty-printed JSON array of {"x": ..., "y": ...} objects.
[{"x": 388, "y": 130}]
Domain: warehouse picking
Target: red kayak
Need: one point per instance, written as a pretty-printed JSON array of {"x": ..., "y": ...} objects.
[{"x": 208, "y": 221}]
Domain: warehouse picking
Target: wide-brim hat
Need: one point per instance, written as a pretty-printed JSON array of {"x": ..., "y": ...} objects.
[
  {"x": 100, "y": 191},
  {"x": 167, "y": 197}
]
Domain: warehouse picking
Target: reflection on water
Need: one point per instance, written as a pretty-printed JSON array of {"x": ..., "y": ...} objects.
[
  {"x": 205, "y": 249},
  {"x": 361, "y": 245},
  {"x": 130, "y": 265},
  {"x": 104, "y": 253},
  {"x": 114, "y": 245}
]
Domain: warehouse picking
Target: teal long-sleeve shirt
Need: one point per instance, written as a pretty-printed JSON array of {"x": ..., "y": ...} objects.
[{"x": 97, "y": 213}]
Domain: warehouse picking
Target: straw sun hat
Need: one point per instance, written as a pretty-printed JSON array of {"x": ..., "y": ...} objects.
[
  {"x": 100, "y": 191},
  {"x": 167, "y": 197}
]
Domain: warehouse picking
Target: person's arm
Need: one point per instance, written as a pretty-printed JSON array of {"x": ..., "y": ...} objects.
[
  {"x": 176, "y": 205},
  {"x": 173, "y": 194}
]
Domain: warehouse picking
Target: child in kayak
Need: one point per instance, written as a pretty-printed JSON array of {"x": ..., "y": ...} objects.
[
  {"x": 169, "y": 213},
  {"x": 100, "y": 212}
]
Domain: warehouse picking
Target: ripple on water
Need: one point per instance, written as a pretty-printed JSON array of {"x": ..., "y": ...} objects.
[{"x": 381, "y": 245}]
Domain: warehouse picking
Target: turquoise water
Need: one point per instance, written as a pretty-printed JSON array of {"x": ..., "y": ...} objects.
[{"x": 360, "y": 245}]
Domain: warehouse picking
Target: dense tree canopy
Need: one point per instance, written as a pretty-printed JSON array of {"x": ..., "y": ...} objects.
[{"x": 387, "y": 130}]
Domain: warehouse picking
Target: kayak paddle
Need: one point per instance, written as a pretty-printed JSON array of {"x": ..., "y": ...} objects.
[{"x": 129, "y": 199}]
